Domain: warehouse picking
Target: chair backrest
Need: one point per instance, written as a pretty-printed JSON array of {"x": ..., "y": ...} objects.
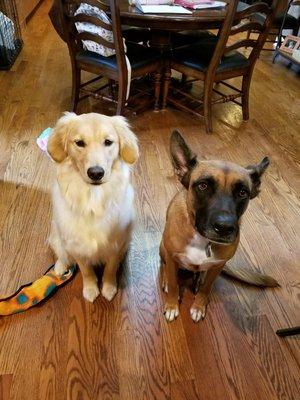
[
  {"x": 239, "y": 22},
  {"x": 75, "y": 39}
]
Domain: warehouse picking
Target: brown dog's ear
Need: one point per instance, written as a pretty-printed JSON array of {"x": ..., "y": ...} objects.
[
  {"x": 183, "y": 158},
  {"x": 129, "y": 150},
  {"x": 256, "y": 172},
  {"x": 56, "y": 146}
]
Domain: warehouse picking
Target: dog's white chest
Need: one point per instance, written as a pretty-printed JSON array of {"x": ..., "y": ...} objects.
[
  {"x": 92, "y": 230},
  {"x": 195, "y": 252}
]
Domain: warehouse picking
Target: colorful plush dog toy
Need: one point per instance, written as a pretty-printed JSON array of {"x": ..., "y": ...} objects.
[{"x": 36, "y": 292}]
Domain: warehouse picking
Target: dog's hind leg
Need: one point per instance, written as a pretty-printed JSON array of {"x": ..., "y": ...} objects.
[
  {"x": 64, "y": 261},
  {"x": 198, "y": 281},
  {"x": 61, "y": 266},
  {"x": 112, "y": 263},
  {"x": 163, "y": 277}
]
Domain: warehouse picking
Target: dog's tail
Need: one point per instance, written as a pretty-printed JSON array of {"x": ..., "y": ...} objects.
[{"x": 253, "y": 278}]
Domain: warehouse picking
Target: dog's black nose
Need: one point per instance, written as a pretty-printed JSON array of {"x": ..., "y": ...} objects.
[
  {"x": 95, "y": 173},
  {"x": 224, "y": 225}
]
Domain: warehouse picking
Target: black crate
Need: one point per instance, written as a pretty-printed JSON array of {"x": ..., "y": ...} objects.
[{"x": 10, "y": 34}]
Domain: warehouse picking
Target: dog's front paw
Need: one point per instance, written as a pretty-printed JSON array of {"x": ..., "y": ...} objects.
[
  {"x": 90, "y": 293},
  {"x": 171, "y": 312},
  {"x": 109, "y": 291},
  {"x": 60, "y": 268},
  {"x": 198, "y": 312}
]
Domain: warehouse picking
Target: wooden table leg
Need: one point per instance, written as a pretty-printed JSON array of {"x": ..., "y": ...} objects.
[
  {"x": 165, "y": 84},
  {"x": 157, "y": 89},
  {"x": 161, "y": 40}
]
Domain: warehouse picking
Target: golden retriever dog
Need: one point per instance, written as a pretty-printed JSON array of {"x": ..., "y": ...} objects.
[{"x": 92, "y": 197}]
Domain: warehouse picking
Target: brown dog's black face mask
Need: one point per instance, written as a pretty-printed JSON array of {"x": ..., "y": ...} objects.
[
  {"x": 220, "y": 191},
  {"x": 218, "y": 206}
]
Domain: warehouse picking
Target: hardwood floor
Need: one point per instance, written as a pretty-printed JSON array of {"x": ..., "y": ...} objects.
[{"x": 68, "y": 349}]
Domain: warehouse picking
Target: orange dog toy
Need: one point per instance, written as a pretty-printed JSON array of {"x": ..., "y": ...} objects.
[{"x": 30, "y": 295}]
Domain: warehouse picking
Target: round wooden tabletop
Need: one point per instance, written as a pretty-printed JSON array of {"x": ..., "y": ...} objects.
[{"x": 200, "y": 19}]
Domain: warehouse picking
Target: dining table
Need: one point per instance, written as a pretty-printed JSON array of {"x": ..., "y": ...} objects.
[
  {"x": 132, "y": 16},
  {"x": 197, "y": 19},
  {"x": 161, "y": 27}
]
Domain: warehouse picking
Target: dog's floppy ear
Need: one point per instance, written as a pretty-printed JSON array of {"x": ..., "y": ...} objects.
[
  {"x": 56, "y": 146},
  {"x": 256, "y": 172},
  {"x": 183, "y": 158},
  {"x": 129, "y": 150}
]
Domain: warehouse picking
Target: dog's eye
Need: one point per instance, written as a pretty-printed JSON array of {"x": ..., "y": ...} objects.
[
  {"x": 80, "y": 143},
  {"x": 243, "y": 193},
  {"x": 202, "y": 186},
  {"x": 108, "y": 142}
]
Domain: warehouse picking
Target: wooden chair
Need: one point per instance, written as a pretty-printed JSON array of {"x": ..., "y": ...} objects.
[
  {"x": 143, "y": 60},
  {"x": 216, "y": 60},
  {"x": 133, "y": 34},
  {"x": 281, "y": 36},
  {"x": 281, "y": 21},
  {"x": 188, "y": 37}
]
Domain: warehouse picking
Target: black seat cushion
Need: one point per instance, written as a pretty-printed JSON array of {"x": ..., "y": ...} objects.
[
  {"x": 135, "y": 35},
  {"x": 289, "y": 23},
  {"x": 186, "y": 38},
  {"x": 199, "y": 56},
  {"x": 138, "y": 55}
]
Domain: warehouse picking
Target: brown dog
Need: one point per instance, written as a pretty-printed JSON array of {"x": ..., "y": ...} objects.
[{"x": 203, "y": 222}]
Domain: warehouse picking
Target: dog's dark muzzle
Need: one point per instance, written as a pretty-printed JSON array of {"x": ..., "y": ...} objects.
[
  {"x": 224, "y": 225},
  {"x": 221, "y": 228}
]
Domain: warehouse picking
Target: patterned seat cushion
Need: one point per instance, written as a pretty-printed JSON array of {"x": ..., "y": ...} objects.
[{"x": 82, "y": 27}]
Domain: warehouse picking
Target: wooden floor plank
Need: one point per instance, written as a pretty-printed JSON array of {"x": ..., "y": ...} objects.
[
  {"x": 68, "y": 349},
  {"x": 245, "y": 376},
  {"x": 185, "y": 390},
  {"x": 282, "y": 370},
  {"x": 5, "y": 385},
  {"x": 92, "y": 371},
  {"x": 130, "y": 362},
  {"x": 148, "y": 324}
]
